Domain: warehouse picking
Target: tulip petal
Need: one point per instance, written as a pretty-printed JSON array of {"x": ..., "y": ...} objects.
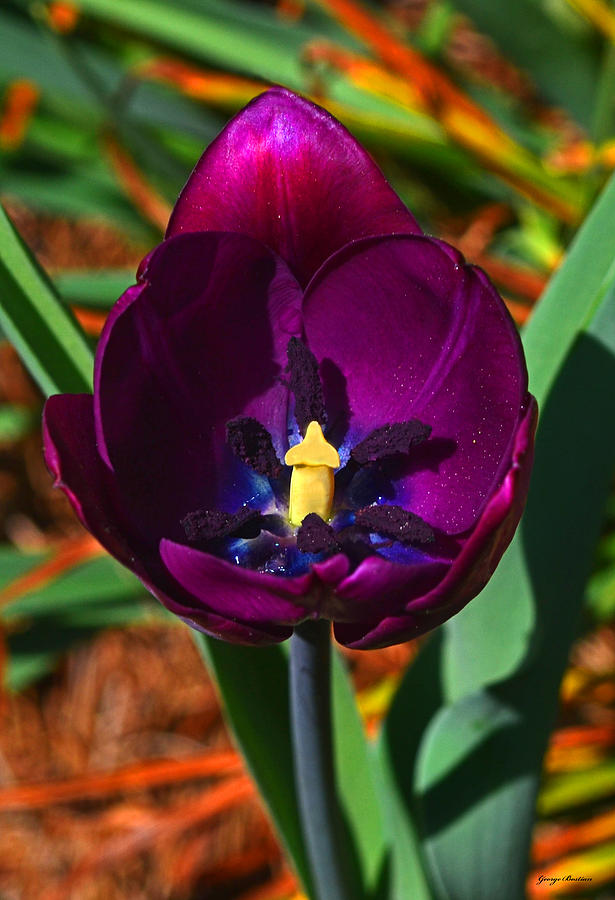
[
  {"x": 470, "y": 571},
  {"x": 287, "y": 173},
  {"x": 234, "y": 591},
  {"x": 403, "y": 330},
  {"x": 378, "y": 588},
  {"x": 72, "y": 457},
  {"x": 203, "y": 341}
]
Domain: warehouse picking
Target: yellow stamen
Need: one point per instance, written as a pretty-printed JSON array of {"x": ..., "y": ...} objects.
[{"x": 311, "y": 483}]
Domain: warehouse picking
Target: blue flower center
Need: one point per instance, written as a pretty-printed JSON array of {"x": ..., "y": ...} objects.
[{"x": 268, "y": 542}]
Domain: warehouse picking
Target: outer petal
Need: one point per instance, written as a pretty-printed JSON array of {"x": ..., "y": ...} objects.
[
  {"x": 203, "y": 340},
  {"x": 287, "y": 173},
  {"x": 403, "y": 329},
  {"x": 72, "y": 457},
  {"x": 473, "y": 567},
  {"x": 259, "y": 598},
  {"x": 233, "y": 591},
  {"x": 378, "y": 588}
]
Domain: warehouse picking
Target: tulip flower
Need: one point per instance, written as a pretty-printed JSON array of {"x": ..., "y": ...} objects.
[{"x": 305, "y": 408}]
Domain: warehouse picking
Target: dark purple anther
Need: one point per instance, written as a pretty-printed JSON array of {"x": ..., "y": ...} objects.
[
  {"x": 316, "y": 536},
  {"x": 395, "y": 523},
  {"x": 251, "y": 442},
  {"x": 211, "y": 524},
  {"x": 390, "y": 440},
  {"x": 305, "y": 385}
]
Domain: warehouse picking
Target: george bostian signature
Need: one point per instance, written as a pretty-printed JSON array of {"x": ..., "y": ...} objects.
[{"x": 553, "y": 879}]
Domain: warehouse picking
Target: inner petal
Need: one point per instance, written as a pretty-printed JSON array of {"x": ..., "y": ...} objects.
[
  {"x": 413, "y": 333},
  {"x": 204, "y": 341}
]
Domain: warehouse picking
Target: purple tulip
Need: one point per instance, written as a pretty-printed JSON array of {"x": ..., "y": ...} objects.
[{"x": 295, "y": 292}]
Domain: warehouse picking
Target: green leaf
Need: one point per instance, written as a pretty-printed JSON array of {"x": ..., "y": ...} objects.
[
  {"x": 506, "y": 609},
  {"x": 266, "y": 52},
  {"x": 571, "y": 789},
  {"x": 604, "y": 106},
  {"x": 601, "y": 594},
  {"x": 419, "y": 694},
  {"x": 81, "y": 587},
  {"x": 99, "y": 289},
  {"x": 469, "y": 789},
  {"x": 253, "y": 684},
  {"x": 73, "y": 192},
  {"x": 479, "y": 765},
  {"x": 46, "y": 336},
  {"x": 15, "y": 422},
  {"x": 357, "y": 780},
  {"x": 48, "y": 620}
]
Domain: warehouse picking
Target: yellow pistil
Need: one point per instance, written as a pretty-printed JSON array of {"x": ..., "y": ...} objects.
[{"x": 311, "y": 483}]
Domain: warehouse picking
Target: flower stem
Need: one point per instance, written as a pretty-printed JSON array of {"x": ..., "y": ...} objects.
[{"x": 310, "y": 700}]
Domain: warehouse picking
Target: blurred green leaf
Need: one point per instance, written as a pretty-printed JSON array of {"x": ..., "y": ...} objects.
[
  {"x": 73, "y": 191},
  {"x": 601, "y": 594},
  {"x": 46, "y": 621},
  {"x": 80, "y": 81},
  {"x": 572, "y": 789},
  {"x": 48, "y": 339},
  {"x": 564, "y": 63},
  {"x": 603, "y": 124},
  {"x": 14, "y": 563},
  {"x": 82, "y": 586},
  {"x": 268, "y": 49},
  {"x": 99, "y": 289},
  {"x": 15, "y": 422}
]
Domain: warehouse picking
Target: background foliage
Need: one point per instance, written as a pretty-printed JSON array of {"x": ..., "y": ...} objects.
[{"x": 495, "y": 122}]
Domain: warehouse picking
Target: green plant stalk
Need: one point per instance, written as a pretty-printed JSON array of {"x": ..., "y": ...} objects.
[{"x": 310, "y": 712}]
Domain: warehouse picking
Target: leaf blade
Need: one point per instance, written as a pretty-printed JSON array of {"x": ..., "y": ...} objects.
[
  {"x": 46, "y": 336},
  {"x": 501, "y": 754}
]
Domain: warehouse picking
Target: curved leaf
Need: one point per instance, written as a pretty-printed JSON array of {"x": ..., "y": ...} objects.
[{"x": 483, "y": 754}]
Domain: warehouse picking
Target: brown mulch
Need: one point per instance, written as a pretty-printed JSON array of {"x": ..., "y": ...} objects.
[{"x": 117, "y": 704}]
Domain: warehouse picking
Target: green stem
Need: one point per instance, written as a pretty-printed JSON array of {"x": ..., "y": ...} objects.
[{"x": 310, "y": 701}]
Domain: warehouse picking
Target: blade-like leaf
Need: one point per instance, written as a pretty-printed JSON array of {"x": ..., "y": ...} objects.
[
  {"x": 48, "y": 339},
  {"x": 264, "y": 52},
  {"x": 77, "y": 588},
  {"x": 506, "y": 609},
  {"x": 96, "y": 289},
  {"x": 418, "y": 696},
  {"x": 479, "y": 765},
  {"x": 357, "y": 781},
  {"x": 253, "y": 684}
]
